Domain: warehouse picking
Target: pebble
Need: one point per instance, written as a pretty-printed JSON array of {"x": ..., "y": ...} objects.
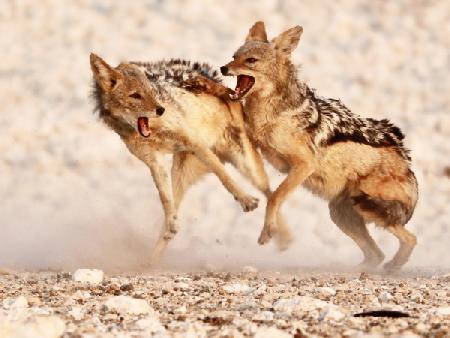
[
  {"x": 237, "y": 288},
  {"x": 15, "y": 303},
  {"x": 128, "y": 305},
  {"x": 37, "y": 327},
  {"x": 91, "y": 276},
  {"x": 76, "y": 312},
  {"x": 180, "y": 310},
  {"x": 263, "y": 316},
  {"x": 326, "y": 291},
  {"x": 150, "y": 325},
  {"x": 442, "y": 311}
]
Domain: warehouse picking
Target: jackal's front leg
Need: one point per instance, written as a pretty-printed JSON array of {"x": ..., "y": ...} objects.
[
  {"x": 299, "y": 171},
  {"x": 161, "y": 178},
  {"x": 160, "y": 174},
  {"x": 210, "y": 159},
  {"x": 249, "y": 163}
]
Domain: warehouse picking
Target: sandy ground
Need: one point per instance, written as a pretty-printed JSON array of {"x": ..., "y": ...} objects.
[
  {"x": 224, "y": 304},
  {"x": 72, "y": 196}
]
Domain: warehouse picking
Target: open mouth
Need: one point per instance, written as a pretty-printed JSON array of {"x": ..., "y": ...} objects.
[
  {"x": 143, "y": 127},
  {"x": 243, "y": 85}
]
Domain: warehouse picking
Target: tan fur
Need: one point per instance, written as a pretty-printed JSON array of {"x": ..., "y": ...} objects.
[
  {"x": 210, "y": 132},
  {"x": 348, "y": 174}
]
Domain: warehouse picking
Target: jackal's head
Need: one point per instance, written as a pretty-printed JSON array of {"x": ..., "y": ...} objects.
[
  {"x": 261, "y": 65},
  {"x": 124, "y": 96}
]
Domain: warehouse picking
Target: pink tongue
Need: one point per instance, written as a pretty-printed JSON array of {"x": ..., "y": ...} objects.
[{"x": 143, "y": 126}]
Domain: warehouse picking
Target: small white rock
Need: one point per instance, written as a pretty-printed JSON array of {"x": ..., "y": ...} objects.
[
  {"x": 42, "y": 327},
  {"x": 307, "y": 304},
  {"x": 263, "y": 316},
  {"x": 15, "y": 303},
  {"x": 326, "y": 291},
  {"x": 128, "y": 305},
  {"x": 237, "y": 288},
  {"x": 76, "y": 312},
  {"x": 180, "y": 310},
  {"x": 442, "y": 311},
  {"x": 91, "y": 276},
  {"x": 385, "y": 297},
  {"x": 182, "y": 286},
  {"x": 150, "y": 325},
  {"x": 331, "y": 313}
]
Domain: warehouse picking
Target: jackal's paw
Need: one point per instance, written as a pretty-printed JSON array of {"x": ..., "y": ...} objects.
[
  {"x": 248, "y": 203},
  {"x": 391, "y": 267},
  {"x": 171, "y": 230},
  {"x": 284, "y": 240},
  {"x": 266, "y": 234},
  {"x": 370, "y": 262}
]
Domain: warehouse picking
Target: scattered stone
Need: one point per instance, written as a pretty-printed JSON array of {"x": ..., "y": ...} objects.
[
  {"x": 263, "y": 316},
  {"x": 91, "y": 276},
  {"x": 42, "y": 327},
  {"x": 180, "y": 310},
  {"x": 128, "y": 305},
  {"x": 326, "y": 291},
  {"x": 182, "y": 286},
  {"x": 76, "y": 312},
  {"x": 150, "y": 325},
  {"x": 237, "y": 288},
  {"x": 442, "y": 311},
  {"x": 384, "y": 297},
  {"x": 15, "y": 303},
  {"x": 127, "y": 287}
]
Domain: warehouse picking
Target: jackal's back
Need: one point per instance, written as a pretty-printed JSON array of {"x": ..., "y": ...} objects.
[
  {"x": 177, "y": 72},
  {"x": 330, "y": 121}
]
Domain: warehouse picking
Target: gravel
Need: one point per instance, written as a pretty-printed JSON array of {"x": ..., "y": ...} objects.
[{"x": 263, "y": 304}]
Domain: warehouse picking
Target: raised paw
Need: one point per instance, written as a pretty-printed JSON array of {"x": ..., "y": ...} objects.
[
  {"x": 248, "y": 203},
  {"x": 266, "y": 234}
]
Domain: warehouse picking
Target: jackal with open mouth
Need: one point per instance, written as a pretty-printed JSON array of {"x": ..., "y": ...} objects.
[
  {"x": 180, "y": 108},
  {"x": 359, "y": 165}
]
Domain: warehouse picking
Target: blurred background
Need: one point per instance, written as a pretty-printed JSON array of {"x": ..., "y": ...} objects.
[{"x": 71, "y": 195}]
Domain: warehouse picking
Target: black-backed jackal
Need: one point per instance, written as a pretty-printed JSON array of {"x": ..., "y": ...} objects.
[
  {"x": 359, "y": 165},
  {"x": 180, "y": 108}
]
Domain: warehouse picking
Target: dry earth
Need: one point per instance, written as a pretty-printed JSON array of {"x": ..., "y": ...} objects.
[{"x": 223, "y": 304}]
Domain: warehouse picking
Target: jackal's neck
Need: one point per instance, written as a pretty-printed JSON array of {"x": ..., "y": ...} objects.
[{"x": 286, "y": 91}]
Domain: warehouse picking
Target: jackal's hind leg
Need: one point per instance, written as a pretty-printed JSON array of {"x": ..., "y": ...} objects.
[
  {"x": 407, "y": 243},
  {"x": 352, "y": 224}
]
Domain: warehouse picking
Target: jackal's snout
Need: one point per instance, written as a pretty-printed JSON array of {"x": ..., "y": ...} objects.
[{"x": 224, "y": 70}]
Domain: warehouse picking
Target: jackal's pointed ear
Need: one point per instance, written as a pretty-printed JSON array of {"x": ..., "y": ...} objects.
[
  {"x": 104, "y": 74},
  {"x": 287, "y": 41},
  {"x": 257, "y": 32}
]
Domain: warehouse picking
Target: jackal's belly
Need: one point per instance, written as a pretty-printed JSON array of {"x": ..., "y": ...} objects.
[{"x": 340, "y": 167}]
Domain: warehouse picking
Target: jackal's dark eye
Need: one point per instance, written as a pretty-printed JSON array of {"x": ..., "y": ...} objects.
[
  {"x": 250, "y": 60},
  {"x": 160, "y": 110},
  {"x": 136, "y": 96}
]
